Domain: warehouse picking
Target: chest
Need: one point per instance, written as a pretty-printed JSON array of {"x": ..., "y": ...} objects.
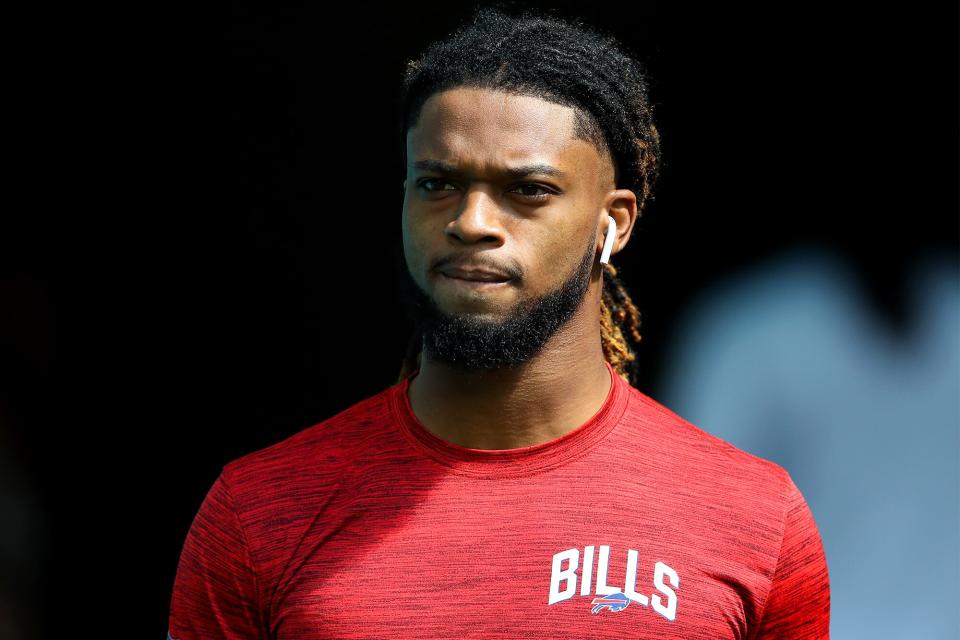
[{"x": 508, "y": 564}]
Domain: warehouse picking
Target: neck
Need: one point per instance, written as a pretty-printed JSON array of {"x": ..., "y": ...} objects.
[{"x": 546, "y": 397}]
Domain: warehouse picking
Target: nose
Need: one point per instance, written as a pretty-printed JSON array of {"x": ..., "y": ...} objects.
[{"x": 479, "y": 220}]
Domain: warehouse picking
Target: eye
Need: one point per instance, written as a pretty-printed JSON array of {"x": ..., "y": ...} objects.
[
  {"x": 542, "y": 192},
  {"x": 423, "y": 183},
  {"x": 545, "y": 193}
]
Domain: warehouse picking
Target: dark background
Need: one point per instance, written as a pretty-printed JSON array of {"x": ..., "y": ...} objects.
[{"x": 200, "y": 262}]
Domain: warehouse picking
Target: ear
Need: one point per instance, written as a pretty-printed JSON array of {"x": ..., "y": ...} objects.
[{"x": 621, "y": 205}]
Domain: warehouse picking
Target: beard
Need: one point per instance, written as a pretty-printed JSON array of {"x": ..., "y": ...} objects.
[{"x": 470, "y": 343}]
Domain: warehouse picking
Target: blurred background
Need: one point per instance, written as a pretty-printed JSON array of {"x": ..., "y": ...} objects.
[{"x": 183, "y": 282}]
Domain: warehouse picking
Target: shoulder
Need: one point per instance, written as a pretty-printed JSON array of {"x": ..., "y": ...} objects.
[
  {"x": 699, "y": 457},
  {"x": 318, "y": 450},
  {"x": 276, "y": 494}
]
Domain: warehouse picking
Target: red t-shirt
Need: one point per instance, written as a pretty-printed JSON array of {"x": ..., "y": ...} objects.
[{"x": 637, "y": 524}]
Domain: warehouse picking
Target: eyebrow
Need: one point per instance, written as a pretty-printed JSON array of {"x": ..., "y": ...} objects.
[{"x": 510, "y": 172}]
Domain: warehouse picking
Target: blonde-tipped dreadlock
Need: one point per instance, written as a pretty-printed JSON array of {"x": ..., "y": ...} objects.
[
  {"x": 540, "y": 54},
  {"x": 618, "y": 315}
]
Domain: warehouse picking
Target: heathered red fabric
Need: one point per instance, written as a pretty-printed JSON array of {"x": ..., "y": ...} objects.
[{"x": 637, "y": 524}]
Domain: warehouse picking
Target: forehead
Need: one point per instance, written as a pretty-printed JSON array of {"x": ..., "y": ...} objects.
[{"x": 482, "y": 128}]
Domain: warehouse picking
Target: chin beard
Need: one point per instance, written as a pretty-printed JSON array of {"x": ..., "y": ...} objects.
[{"x": 469, "y": 343}]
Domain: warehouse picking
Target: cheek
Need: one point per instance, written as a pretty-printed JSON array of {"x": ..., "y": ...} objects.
[
  {"x": 561, "y": 256},
  {"x": 416, "y": 245},
  {"x": 549, "y": 259}
]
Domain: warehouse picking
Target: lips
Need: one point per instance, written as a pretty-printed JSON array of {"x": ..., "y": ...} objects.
[{"x": 475, "y": 275}]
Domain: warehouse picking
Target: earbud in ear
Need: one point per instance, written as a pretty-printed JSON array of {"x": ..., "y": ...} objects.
[{"x": 608, "y": 240}]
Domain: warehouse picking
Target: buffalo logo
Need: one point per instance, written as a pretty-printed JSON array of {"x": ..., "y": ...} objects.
[{"x": 615, "y": 602}]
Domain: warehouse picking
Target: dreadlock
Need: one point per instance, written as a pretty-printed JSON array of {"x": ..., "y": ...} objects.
[{"x": 565, "y": 62}]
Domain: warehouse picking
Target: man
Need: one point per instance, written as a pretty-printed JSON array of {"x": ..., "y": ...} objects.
[{"x": 512, "y": 483}]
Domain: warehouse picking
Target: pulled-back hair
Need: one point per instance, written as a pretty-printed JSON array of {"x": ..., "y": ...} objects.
[{"x": 568, "y": 63}]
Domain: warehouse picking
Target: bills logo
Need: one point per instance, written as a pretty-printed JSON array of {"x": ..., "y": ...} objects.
[
  {"x": 567, "y": 575},
  {"x": 616, "y": 602}
]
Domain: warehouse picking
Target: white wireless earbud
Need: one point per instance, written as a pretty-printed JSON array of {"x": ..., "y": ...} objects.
[{"x": 608, "y": 241}]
